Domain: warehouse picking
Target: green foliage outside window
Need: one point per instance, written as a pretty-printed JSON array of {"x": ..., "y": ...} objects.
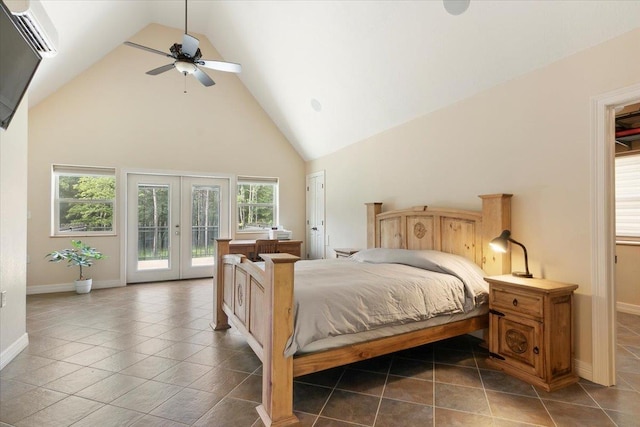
[
  {"x": 256, "y": 206},
  {"x": 86, "y": 203}
]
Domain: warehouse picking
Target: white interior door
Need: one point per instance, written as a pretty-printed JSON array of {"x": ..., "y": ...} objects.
[
  {"x": 172, "y": 224},
  {"x": 315, "y": 216}
]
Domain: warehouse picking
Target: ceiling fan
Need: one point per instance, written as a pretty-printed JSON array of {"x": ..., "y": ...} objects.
[{"x": 187, "y": 57}]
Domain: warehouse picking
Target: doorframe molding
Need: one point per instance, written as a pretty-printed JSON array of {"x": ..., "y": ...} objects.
[
  {"x": 603, "y": 305},
  {"x": 121, "y": 200}
]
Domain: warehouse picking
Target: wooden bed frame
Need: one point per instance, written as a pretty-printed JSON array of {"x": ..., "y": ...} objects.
[{"x": 259, "y": 303}]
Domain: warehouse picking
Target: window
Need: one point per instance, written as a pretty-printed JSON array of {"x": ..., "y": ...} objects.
[
  {"x": 83, "y": 200},
  {"x": 257, "y": 200},
  {"x": 628, "y": 197}
]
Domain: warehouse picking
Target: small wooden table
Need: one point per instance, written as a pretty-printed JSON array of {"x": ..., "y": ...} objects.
[{"x": 247, "y": 247}]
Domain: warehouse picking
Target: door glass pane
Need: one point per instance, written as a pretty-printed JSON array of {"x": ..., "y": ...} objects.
[
  {"x": 205, "y": 223},
  {"x": 153, "y": 226}
]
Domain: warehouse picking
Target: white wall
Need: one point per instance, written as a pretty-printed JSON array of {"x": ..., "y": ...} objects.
[
  {"x": 529, "y": 137},
  {"x": 115, "y": 115},
  {"x": 13, "y": 235}
]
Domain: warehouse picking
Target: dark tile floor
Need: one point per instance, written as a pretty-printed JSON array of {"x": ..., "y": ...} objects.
[{"x": 144, "y": 355}]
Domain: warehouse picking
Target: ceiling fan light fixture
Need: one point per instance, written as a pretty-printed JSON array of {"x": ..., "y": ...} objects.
[
  {"x": 186, "y": 58},
  {"x": 185, "y": 67}
]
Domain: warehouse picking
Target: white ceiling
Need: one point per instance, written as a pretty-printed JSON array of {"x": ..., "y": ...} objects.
[{"x": 369, "y": 65}]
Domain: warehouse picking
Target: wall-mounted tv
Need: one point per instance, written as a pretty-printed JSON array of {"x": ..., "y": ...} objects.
[{"x": 18, "y": 64}]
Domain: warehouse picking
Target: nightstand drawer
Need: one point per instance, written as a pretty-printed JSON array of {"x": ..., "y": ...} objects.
[{"x": 520, "y": 302}]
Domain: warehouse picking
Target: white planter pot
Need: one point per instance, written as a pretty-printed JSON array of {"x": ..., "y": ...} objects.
[{"x": 83, "y": 286}]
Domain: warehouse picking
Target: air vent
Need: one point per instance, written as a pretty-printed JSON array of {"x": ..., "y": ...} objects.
[{"x": 36, "y": 26}]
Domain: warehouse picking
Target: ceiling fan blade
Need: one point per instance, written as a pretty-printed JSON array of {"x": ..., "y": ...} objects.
[
  {"x": 230, "y": 67},
  {"x": 148, "y": 49},
  {"x": 189, "y": 45},
  {"x": 159, "y": 70},
  {"x": 203, "y": 77}
]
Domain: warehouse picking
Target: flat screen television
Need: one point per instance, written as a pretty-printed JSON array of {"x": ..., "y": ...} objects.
[{"x": 18, "y": 64}]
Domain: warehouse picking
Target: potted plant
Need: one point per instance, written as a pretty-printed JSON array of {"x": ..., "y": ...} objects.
[{"x": 81, "y": 255}]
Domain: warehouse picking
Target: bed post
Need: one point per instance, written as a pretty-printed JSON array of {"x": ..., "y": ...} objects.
[
  {"x": 277, "y": 370},
  {"x": 373, "y": 209},
  {"x": 220, "y": 319},
  {"x": 496, "y": 216}
]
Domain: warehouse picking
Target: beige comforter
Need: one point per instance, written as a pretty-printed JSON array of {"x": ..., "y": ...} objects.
[{"x": 346, "y": 296}]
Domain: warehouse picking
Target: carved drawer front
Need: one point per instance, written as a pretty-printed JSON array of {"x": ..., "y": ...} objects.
[
  {"x": 519, "y": 342},
  {"x": 519, "y": 302},
  {"x": 241, "y": 296}
]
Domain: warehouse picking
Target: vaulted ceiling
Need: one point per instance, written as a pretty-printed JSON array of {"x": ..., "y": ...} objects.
[{"x": 332, "y": 73}]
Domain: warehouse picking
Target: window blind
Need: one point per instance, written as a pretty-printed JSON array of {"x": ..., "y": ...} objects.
[{"x": 628, "y": 196}]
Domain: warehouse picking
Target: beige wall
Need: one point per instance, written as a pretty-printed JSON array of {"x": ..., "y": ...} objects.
[
  {"x": 113, "y": 114},
  {"x": 13, "y": 235},
  {"x": 530, "y": 137},
  {"x": 628, "y": 278}
]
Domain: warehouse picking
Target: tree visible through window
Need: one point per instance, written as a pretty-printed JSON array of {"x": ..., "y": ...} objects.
[
  {"x": 257, "y": 203},
  {"x": 84, "y": 200}
]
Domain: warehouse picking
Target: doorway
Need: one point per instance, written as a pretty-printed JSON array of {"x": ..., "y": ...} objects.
[
  {"x": 603, "y": 231},
  {"x": 172, "y": 224},
  {"x": 315, "y": 228}
]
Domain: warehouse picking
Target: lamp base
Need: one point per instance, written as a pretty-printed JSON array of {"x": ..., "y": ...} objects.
[{"x": 522, "y": 274}]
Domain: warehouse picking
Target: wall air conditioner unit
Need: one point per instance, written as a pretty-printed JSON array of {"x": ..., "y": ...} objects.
[{"x": 36, "y": 25}]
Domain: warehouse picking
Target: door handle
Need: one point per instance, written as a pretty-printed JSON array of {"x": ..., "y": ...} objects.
[
  {"x": 314, "y": 228},
  {"x": 177, "y": 229}
]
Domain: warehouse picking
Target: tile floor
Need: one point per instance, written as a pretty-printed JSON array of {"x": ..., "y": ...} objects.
[{"x": 144, "y": 355}]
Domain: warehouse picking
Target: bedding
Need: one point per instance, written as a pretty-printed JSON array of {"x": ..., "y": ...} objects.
[{"x": 378, "y": 288}]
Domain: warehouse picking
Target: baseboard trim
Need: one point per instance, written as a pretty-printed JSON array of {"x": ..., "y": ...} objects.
[
  {"x": 628, "y": 308},
  {"x": 70, "y": 287},
  {"x": 14, "y": 349},
  {"x": 583, "y": 370}
]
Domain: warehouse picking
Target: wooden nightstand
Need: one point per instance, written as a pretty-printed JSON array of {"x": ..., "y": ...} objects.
[
  {"x": 345, "y": 252},
  {"x": 530, "y": 330}
]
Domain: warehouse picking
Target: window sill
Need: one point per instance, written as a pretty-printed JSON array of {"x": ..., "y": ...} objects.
[{"x": 74, "y": 235}]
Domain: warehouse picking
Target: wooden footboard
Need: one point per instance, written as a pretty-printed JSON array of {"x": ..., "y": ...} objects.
[{"x": 259, "y": 303}]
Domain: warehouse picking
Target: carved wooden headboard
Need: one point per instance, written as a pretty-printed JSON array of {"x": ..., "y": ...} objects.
[{"x": 460, "y": 232}]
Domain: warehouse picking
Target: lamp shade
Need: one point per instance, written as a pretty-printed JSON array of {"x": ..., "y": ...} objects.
[{"x": 500, "y": 244}]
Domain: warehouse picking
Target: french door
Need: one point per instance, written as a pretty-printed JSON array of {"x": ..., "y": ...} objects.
[{"x": 172, "y": 224}]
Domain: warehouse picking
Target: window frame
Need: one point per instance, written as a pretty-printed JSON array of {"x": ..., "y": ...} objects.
[
  {"x": 57, "y": 171},
  {"x": 626, "y": 180},
  {"x": 241, "y": 180}
]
